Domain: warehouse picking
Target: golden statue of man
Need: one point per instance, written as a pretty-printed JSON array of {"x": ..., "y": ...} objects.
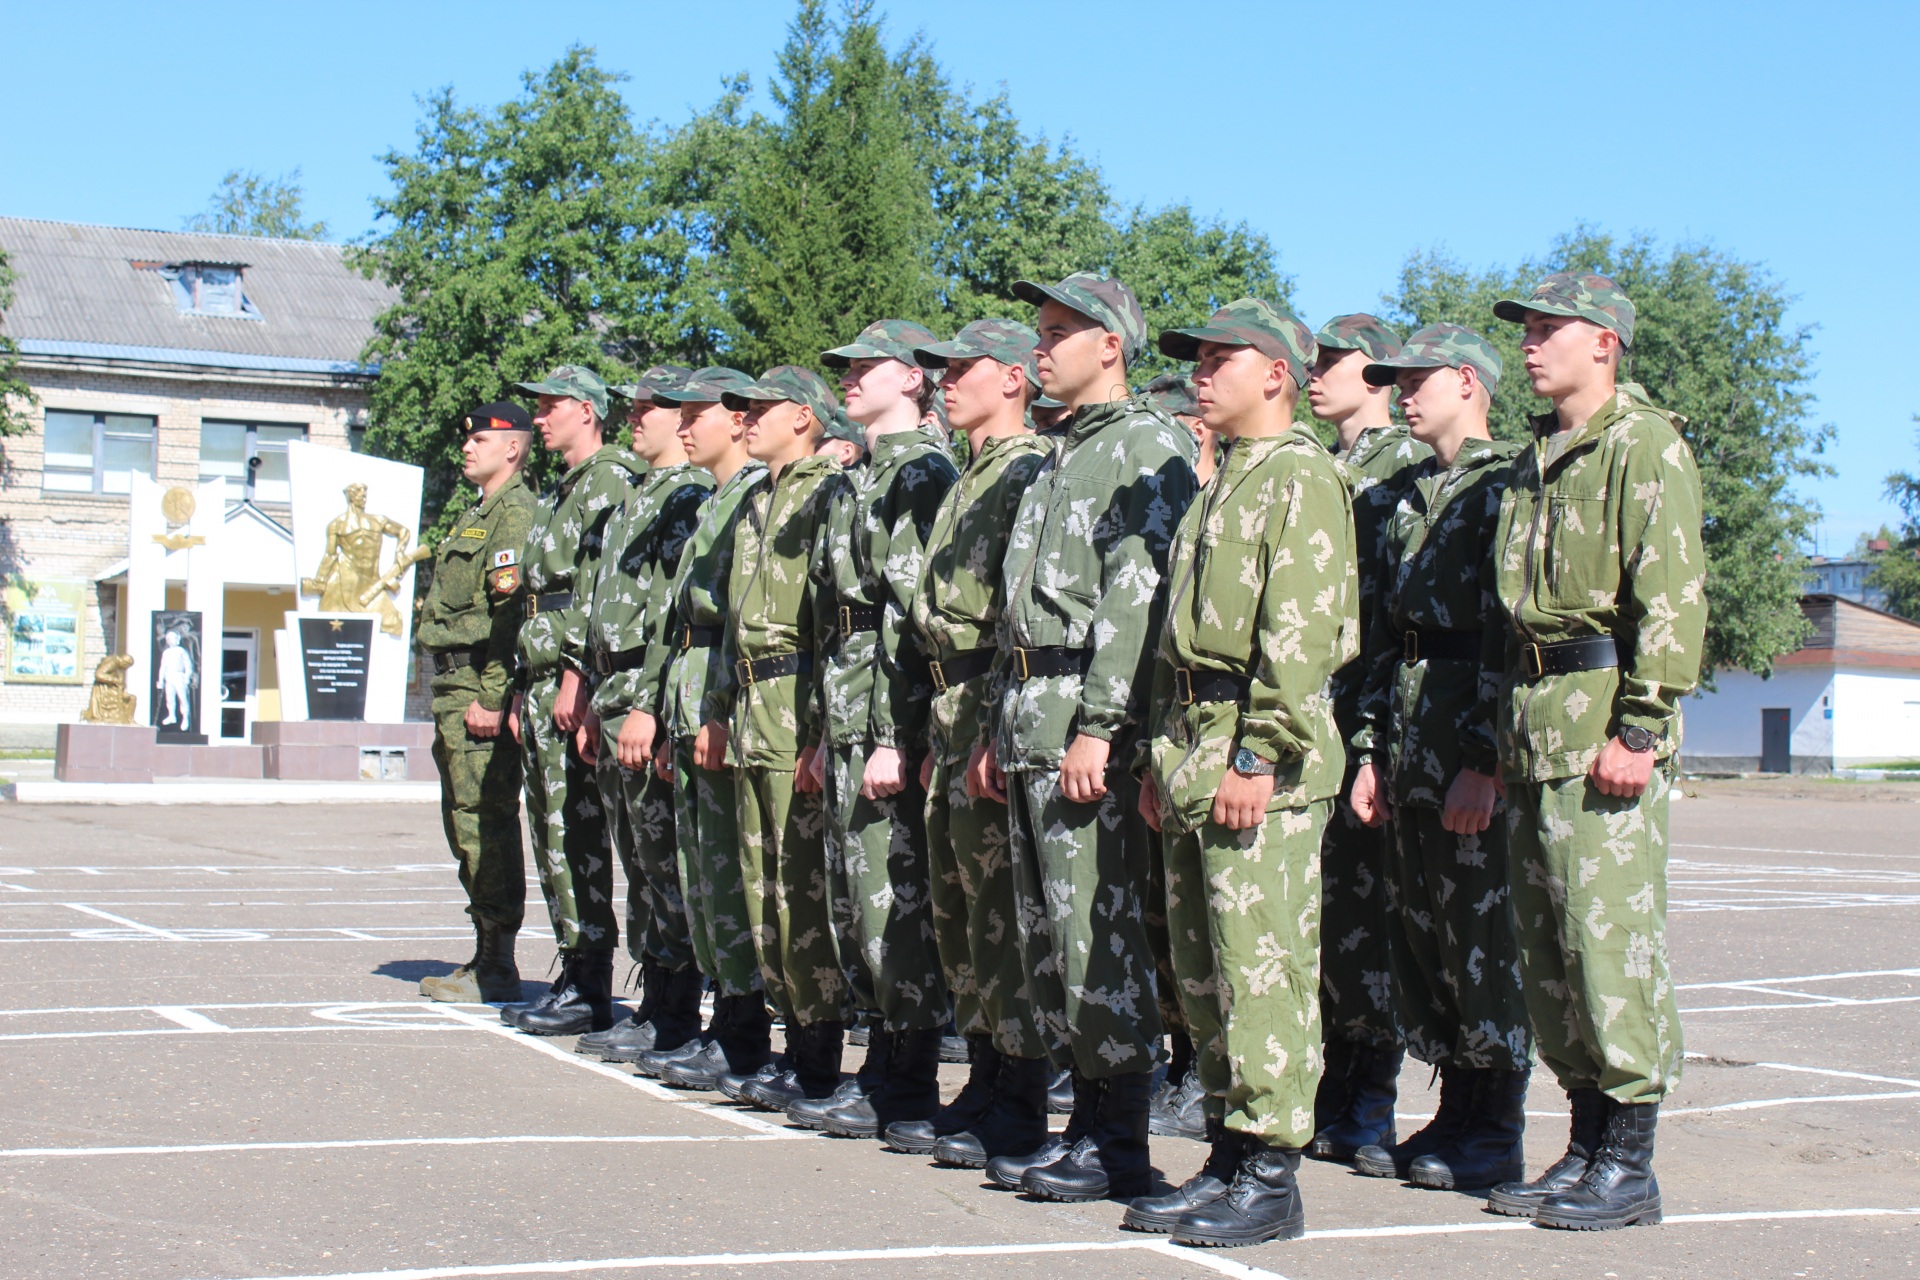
[{"x": 349, "y": 579}]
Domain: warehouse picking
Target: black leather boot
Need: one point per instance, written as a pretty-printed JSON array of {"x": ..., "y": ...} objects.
[
  {"x": 1060, "y": 1093},
  {"x": 1371, "y": 1088},
  {"x": 810, "y": 1111},
  {"x": 1330, "y": 1100},
  {"x": 1180, "y": 1112},
  {"x": 740, "y": 1044},
  {"x": 1456, "y": 1102},
  {"x": 1161, "y": 1213},
  {"x": 1112, "y": 1159},
  {"x": 1015, "y": 1119},
  {"x": 812, "y": 1068},
  {"x": 1488, "y": 1151},
  {"x": 676, "y": 1019},
  {"x": 1263, "y": 1203},
  {"x": 1618, "y": 1188},
  {"x": 512, "y": 1013},
  {"x": 586, "y": 1004},
  {"x": 1009, "y": 1172},
  {"x": 1522, "y": 1199},
  {"x": 734, "y": 1086},
  {"x": 910, "y": 1093},
  {"x": 626, "y": 1041},
  {"x": 918, "y": 1137},
  {"x": 493, "y": 967}
]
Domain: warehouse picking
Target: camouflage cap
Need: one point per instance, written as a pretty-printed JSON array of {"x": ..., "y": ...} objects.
[
  {"x": 1568, "y": 293},
  {"x": 788, "y": 382},
  {"x": 1101, "y": 299},
  {"x": 705, "y": 386},
  {"x": 574, "y": 381},
  {"x": 1361, "y": 332},
  {"x": 1249, "y": 322},
  {"x": 1047, "y": 402},
  {"x": 503, "y": 415},
  {"x": 881, "y": 340},
  {"x": 1174, "y": 393},
  {"x": 662, "y": 377},
  {"x": 1008, "y": 341},
  {"x": 1439, "y": 346},
  {"x": 841, "y": 427}
]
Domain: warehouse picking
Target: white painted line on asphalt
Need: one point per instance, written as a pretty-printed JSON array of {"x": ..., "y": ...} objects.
[
  {"x": 257, "y": 1004},
  {"x": 518, "y": 1139},
  {"x": 1672, "y": 1219},
  {"x": 165, "y": 934},
  {"x": 236, "y": 1031},
  {"x": 1801, "y": 853},
  {"x": 189, "y": 1019},
  {"x": 1759, "y": 1104},
  {"x": 1805, "y": 977},
  {"x": 1840, "y": 1075},
  {"x": 1798, "y": 1008}
]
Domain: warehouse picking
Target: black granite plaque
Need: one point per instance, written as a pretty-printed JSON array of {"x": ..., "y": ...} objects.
[
  {"x": 174, "y": 708},
  {"x": 334, "y": 653}
]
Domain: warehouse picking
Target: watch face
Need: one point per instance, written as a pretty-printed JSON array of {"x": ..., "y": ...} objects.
[{"x": 1637, "y": 738}]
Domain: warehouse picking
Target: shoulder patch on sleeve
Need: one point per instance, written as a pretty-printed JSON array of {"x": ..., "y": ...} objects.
[
  {"x": 505, "y": 557},
  {"x": 504, "y": 582}
]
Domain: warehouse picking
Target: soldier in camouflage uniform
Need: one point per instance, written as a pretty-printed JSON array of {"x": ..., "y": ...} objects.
[
  {"x": 564, "y": 814},
  {"x": 1602, "y": 580},
  {"x": 1429, "y": 758},
  {"x": 469, "y": 622},
  {"x": 628, "y": 609},
  {"x": 1246, "y": 764},
  {"x": 1172, "y": 393},
  {"x": 988, "y": 374},
  {"x": 873, "y": 692},
  {"x": 1354, "y": 1108},
  {"x": 778, "y": 634},
  {"x": 1083, "y": 581}
]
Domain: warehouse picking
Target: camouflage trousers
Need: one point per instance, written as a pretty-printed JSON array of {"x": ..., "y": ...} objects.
[
  {"x": 973, "y": 910},
  {"x": 640, "y": 822},
  {"x": 1243, "y": 910},
  {"x": 1456, "y": 966},
  {"x": 568, "y": 827},
  {"x": 707, "y": 825},
  {"x": 888, "y": 946},
  {"x": 1356, "y": 985},
  {"x": 1589, "y": 879},
  {"x": 789, "y": 902},
  {"x": 1080, "y": 886},
  {"x": 480, "y": 809}
]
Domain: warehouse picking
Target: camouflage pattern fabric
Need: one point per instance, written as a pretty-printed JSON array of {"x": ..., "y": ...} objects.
[
  {"x": 1083, "y": 571},
  {"x": 1355, "y": 974},
  {"x": 1439, "y": 346},
  {"x": 700, "y": 677},
  {"x": 1102, "y": 299},
  {"x": 575, "y": 382},
  {"x": 1273, "y": 331},
  {"x": 1358, "y": 331},
  {"x": 1570, "y": 293},
  {"x": 640, "y": 825},
  {"x": 881, "y": 340},
  {"x": 956, "y": 606},
  {"x": 1007, "y": 341},
  {"x": 789, "y": 898},
  {"x": 474, "y": 605},
  {"x": 1455, "y": 960}
]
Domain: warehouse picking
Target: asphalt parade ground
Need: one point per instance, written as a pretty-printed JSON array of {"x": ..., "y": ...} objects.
[{"x": 215, "y": 1065}]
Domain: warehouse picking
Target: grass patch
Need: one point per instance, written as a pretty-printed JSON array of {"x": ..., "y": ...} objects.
[{"x": 26, "y": 753}]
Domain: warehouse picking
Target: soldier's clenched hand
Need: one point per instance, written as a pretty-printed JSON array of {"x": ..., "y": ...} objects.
[
  {"x": 634, "y": 748},
  {"x": 586, "y": 739},
  {"x": 810, "y": 771},
  {"x": 1150, "y": 801},
  {"x": 984, "y": 779},
  {"x": 710, "y": 746},
  {"x": 570, "y": 707},
  {"x": 513, "y": 716},
  {"x": 1368, "y": 799},
  {"x": 1469, "y": 807},
  {"x": 885, "y": 774},
  {"x": 1241, "y": 802},
  {"x": 1083, "y": 774},
  {"x": 482, "y": 723},
  {"x": 1619, "y": 772}
]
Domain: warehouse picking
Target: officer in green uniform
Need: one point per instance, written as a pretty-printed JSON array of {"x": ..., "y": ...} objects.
[
  {"x": 1354, "y": 1107},
  {"x": 873, "y": 692},
  {"x": 468, "y": 626},
  {"x": 1246, "y": 764},
  {"x": 628, "y": 610},
  {"x": 1429, "y": 758},
  {"x": 988, "y": 375},
  {"x": 564, "y": 815},
  {"x": 778, "y": 631},
  {"x": 1084, "y": 572},
  {"x": 1602, "y": 580}
]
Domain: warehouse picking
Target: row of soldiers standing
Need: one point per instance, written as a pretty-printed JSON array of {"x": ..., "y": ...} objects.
[{"x": 1096, "y": 737}]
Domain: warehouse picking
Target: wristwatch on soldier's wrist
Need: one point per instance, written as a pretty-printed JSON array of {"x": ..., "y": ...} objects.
[
  {"x": 1245, "y": 762},
  {"x": 1638, "y": 740}
]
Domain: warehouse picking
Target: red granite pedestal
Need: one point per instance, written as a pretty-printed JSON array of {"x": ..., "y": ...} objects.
[{"x": 284, "y": 750}]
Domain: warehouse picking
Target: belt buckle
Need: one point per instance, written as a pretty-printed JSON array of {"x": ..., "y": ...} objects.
[
  {"x": 743, "y": 668},
  {"x": 939, "y": 677},
  {"x": 1026, "y": 669},
  {"x": 1183, "y": 686},
  {"x": 686, "y": 638},
  {"x": 1410, "y": 647},
  {"x": 1532, "y": 661},
  {"x": 533, "y": 605},
  {"x": 603, "y": 662}
]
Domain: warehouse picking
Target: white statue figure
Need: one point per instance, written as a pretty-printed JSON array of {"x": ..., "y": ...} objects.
[{"x": 175, "y": 682}]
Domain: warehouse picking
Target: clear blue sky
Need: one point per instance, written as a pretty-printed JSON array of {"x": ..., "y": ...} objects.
[{"x": 1780, "y": 134}]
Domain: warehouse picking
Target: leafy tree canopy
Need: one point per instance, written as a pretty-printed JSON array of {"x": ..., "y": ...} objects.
[
  {"x": 1897, "y": 571},
  {"x": 248, "y": 204},
  {"x": 15, "y": 395}
]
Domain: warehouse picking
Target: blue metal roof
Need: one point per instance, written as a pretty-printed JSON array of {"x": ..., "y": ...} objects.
[{"x": 182, "y": 355}]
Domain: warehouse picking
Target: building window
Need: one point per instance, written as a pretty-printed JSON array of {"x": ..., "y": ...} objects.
[
  {"x": 96, "y": 452},
  {"x": 229, "y": 450},
  {"x": 211, "y": 289}
]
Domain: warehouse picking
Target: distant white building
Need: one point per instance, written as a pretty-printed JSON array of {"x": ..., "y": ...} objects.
[
  {"x": 1848, "y": 697},
  {"x": 1847, "y": 578}
]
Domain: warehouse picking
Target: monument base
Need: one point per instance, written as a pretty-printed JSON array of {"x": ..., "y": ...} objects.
[{"x": 283, "y": 750}]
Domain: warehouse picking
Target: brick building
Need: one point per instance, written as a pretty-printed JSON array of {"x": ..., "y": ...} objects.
[{"x": 183, "y": 357}]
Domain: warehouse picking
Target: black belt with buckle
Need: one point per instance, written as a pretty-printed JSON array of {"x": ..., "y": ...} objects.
[
  {"x": 1056, "y": 660},
  {"x": 1208, "y": 686},
  {"x": 606, "y": 662},
  {"x": 459, "y": 660},
  {"x": 860, "y": 617},
  {"x": 753, "y": 671},
  {"x": 549, "y": 603},
  {"x": 705, "y": 637},
  {"x": 960, "y": 668},
  {"x": 1589, "y": 653},
  {"x": 1429, "y": 644}
]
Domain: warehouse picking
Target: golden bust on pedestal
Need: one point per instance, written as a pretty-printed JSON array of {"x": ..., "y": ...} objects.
[{"x": 349, "y": 579}]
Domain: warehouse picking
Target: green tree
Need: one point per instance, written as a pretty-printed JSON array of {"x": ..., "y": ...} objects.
[
  {"x": 16, "y": 397},
  {"x": 1711, "y": 342},
  {"x": 248, "y": 204},
  {"x": 1898, "y": 569}
]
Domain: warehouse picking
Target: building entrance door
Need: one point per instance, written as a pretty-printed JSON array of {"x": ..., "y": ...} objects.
[
  {"x": 1776, "y": 740},
  {"x": 239, "y": 663}
]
